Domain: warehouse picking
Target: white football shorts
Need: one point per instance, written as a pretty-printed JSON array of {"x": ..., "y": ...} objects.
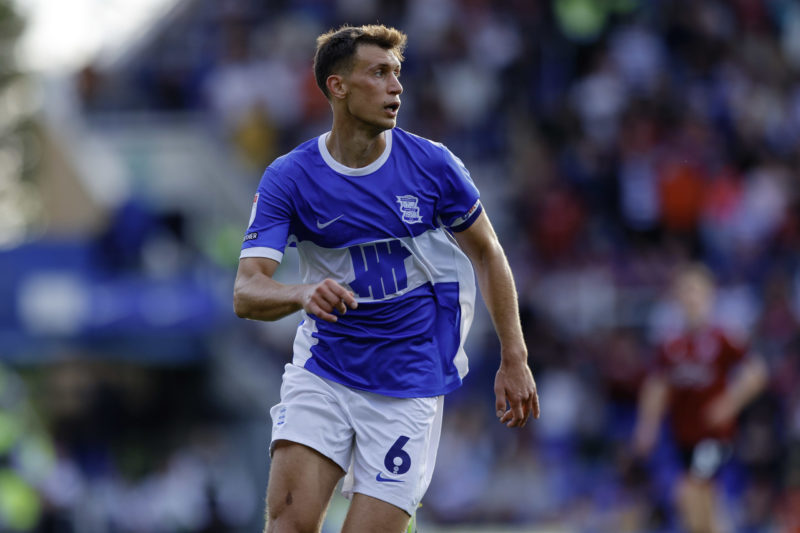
[{"x": 386, "y": 445}]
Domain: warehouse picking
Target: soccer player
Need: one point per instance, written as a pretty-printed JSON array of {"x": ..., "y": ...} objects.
[
  {"x": 703, "y": 379},
  {"x": 388, "y": 226}
]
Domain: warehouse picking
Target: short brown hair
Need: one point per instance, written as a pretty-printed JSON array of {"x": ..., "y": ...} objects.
[{"x": 335, "y": 49}]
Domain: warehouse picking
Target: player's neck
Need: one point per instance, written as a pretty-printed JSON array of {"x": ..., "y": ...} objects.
[
  {"x": 355, "y": 147},
  {"x": 693, "y": 327}
]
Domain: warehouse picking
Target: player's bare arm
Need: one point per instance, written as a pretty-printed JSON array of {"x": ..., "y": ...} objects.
[
  {"x": 256, "y": 295},
  {"x": 516, "y": 398},
  {"x": 748, "y": 382},
  {"x": 653, "y": 401}
]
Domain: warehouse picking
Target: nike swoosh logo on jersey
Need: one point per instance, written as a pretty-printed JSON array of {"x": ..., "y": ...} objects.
[
  {"x": 382, "y": 479},
  {"x": 323, "y": 225}
]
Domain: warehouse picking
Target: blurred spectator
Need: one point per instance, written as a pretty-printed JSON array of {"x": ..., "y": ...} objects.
[{"x": 26, "y": 457}]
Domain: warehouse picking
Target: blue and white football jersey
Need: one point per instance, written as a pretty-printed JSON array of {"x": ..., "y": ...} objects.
[{"x": 383, "y": 231}]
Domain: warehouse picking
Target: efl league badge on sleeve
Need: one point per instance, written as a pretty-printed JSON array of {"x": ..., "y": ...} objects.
[
  {"x": 409, "y": 208},
  {"x": 253, "y": 211}
]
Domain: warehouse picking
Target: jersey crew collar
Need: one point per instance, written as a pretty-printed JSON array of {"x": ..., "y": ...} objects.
[{"x": 350, "y": 171}]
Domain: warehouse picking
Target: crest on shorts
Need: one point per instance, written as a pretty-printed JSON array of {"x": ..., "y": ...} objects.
[{"x": 409, "y": 208}]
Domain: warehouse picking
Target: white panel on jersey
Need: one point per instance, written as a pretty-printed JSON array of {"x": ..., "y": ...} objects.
[
  {"x": 434, "y": 257},
  {"x": 432, "y": 246},
  {"x": 304, "y": 340}
]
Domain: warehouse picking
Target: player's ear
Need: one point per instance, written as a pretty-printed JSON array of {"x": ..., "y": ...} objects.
[{"x": 337, "y": 87}]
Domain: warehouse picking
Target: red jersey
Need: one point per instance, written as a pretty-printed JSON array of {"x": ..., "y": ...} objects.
[{"x": 696, "y": 366}]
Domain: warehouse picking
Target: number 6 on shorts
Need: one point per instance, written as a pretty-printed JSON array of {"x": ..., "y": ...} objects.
[{"x": 397, "y": 461}]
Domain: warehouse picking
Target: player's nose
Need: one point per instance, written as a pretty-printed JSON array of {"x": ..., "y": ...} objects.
[{"x": 395, "y": 87}]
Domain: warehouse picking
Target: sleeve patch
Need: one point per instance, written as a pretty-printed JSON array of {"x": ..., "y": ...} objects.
[
  {"x": 253, "y": 211},
  {"x": 468, "y": 215}
]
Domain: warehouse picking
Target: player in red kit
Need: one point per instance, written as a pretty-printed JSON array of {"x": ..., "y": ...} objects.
[{"x": 702, "y": 379}]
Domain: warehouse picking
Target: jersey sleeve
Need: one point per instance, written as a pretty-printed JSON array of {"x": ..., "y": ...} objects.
[
  {"x": 659, "y": 365},
  {"x": 270, "y": 219},
  {"x": 460, "y": 203}
]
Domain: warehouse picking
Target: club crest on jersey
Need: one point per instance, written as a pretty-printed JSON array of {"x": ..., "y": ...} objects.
[{"x": 409, "y": 208}]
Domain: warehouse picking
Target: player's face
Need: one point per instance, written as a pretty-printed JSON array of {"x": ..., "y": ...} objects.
[
  {"x": 696, "y": 296},
  {"x": 374, "y": 87}
]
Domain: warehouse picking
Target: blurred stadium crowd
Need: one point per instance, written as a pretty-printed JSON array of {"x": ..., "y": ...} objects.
[{"x": 612, "y": 141}]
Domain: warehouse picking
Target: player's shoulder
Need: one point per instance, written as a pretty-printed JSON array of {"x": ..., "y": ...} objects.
[
  {"x": 417, "y": 145},
  {"x": 289, "y": 172},
  {"x": 671, "y": 340},
  {"x": 300, "y": 156},
  {"x": 732, "y": 336}
]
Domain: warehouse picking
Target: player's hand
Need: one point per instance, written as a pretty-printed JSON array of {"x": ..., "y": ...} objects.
[
  {"x": 515, "y": 394},
  {"x": 327, "y": 297}
]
